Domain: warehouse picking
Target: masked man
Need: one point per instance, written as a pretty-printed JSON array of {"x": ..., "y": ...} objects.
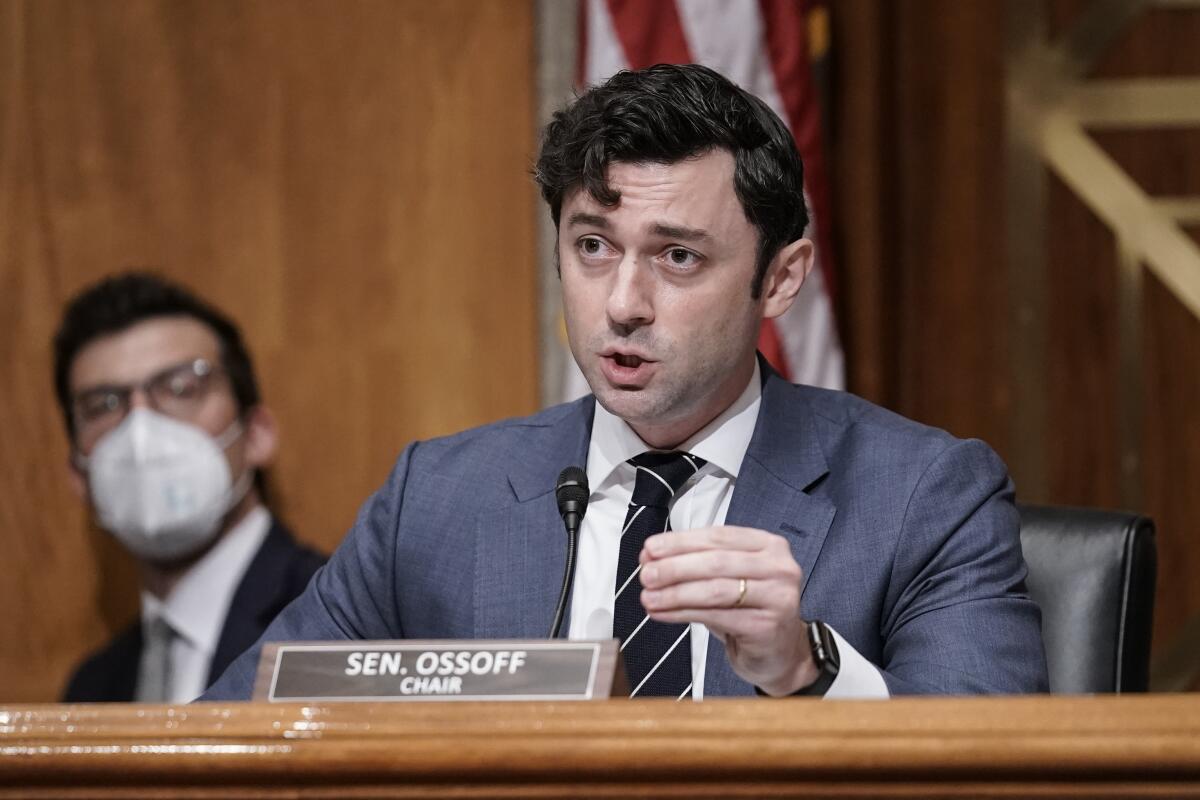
[{"x": 168, "y": 437}]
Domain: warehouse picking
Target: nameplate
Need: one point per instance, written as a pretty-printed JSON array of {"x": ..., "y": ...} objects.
[{"x": 468, "y": 669}]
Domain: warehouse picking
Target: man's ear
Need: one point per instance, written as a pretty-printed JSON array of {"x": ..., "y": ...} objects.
[
  {"x": 262, "y": 436},
  {"x": 76, "y": 478},
  {"x": 785, "y": 276}
]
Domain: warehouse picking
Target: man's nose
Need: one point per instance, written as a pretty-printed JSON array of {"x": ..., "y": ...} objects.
[
  {"x": 631, "y": 297},
  {"x": 139, "y": 398}
]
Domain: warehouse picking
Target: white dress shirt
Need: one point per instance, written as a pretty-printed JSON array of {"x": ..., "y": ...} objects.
[
  {"x": 198, "y": 604},
  {"x": 703, "y": 501}
]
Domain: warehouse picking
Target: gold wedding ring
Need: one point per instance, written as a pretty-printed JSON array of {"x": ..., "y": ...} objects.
[{"x": 741, "y": 593}]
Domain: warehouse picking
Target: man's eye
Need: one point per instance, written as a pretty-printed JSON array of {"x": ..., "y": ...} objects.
[
  {"x": 681, "y": 258},
  {"x": 183, "y": 386},
  {"x": 592, "y": 247},
  {"x": 96, "y": 405}
]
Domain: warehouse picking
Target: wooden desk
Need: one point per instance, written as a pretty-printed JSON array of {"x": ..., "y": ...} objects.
[{"x": 1147, "y": 746}]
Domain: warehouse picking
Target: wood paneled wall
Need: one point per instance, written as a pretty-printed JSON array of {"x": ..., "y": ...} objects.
[
  {"x": 1164, "y": 163},
  {"x": 926, "y": 302},
  {"x": 348, "y": 180}
]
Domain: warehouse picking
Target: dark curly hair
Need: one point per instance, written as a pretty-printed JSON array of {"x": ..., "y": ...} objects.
[
  {"x": 664, "y": 114},
  {"x": 121, "y": 301}
]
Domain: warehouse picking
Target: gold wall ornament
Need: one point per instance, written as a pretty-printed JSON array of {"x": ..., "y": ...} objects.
[{"x": 1051, "y": 106}]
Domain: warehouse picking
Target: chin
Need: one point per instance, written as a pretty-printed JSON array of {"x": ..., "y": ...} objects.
[
  {"x": 621, "y": 402},
  {"x": 635, "y": 407}
]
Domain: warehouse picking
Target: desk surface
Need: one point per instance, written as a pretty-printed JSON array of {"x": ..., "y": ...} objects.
[{"x": 1145, "y": 745}]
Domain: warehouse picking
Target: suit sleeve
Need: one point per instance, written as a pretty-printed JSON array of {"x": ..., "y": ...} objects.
[
  {"x": 352, "y": 597},
  {"x": 958, "y": 619}
]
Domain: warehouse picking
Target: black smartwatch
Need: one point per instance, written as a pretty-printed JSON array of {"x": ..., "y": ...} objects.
[{"x": 825, "y": 656}]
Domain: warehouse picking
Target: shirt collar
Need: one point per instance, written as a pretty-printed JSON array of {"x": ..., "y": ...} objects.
[
  {"x": 722, "y": 442},
  {"x": 198, "y": 604}
]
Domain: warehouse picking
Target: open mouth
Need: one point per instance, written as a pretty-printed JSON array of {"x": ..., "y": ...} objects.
[
  {"x": 628, "y": 361},
  {"x": 628, "y": 370}
]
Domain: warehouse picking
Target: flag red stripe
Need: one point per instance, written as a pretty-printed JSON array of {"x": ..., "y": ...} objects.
[
  {"x": 787, "y": 48},
  {"x": 784, "y": 47},
  {"x": 650, "y": 32},
  {"x": 771, "y": 346}
]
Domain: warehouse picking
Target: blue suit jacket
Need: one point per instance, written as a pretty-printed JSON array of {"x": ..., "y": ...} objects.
[{"x": 908, "y": 539}]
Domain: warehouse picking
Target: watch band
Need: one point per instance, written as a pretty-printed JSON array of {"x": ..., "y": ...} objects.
[{"x": 825, "y": 656}]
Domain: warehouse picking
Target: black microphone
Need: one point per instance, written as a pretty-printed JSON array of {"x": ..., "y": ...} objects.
[{"x": 571, "y": 492}]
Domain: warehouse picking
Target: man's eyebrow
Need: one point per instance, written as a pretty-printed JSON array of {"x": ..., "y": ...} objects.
[
  {"x": 99, "y": 387},
  {"x": 584, "y": 218},
  {"x": 660, "y": 229},
  {"x": 679, "y": 232}
]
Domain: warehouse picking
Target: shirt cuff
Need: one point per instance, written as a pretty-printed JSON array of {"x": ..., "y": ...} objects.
[{"x": 857, "y": 678}]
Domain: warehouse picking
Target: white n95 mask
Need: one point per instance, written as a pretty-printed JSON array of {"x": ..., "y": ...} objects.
[{"x": 162, "y": 486}]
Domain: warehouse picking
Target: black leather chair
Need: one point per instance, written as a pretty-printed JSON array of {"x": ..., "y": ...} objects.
[{"x": 1092, "y": 572}]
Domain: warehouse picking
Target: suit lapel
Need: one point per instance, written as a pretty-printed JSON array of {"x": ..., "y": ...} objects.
[
  {"x": 783, "y": 461},
  {"x": 521, "y": 547},
  {"x": 256, "y": 599}
]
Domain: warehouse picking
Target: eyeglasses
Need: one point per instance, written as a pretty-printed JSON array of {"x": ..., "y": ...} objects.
[{"x": 176, "y": 391}]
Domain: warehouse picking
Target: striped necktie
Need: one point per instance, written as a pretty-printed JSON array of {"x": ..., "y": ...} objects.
[{"x": 658, "y": 655}]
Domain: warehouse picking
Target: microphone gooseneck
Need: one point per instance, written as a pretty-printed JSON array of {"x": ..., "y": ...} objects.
[{"x": 571, "y": 492}]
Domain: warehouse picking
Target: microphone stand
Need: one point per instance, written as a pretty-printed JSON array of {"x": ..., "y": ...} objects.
[
  {"x": 568, "y": 579},
  {"x": 571, "y": 493}
]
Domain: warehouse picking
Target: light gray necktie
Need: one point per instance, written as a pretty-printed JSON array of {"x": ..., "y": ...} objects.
[{"x": 155, "y": 669}]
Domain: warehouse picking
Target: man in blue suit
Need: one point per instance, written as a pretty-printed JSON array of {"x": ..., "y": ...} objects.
[{"x": 743, "y": 534}]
